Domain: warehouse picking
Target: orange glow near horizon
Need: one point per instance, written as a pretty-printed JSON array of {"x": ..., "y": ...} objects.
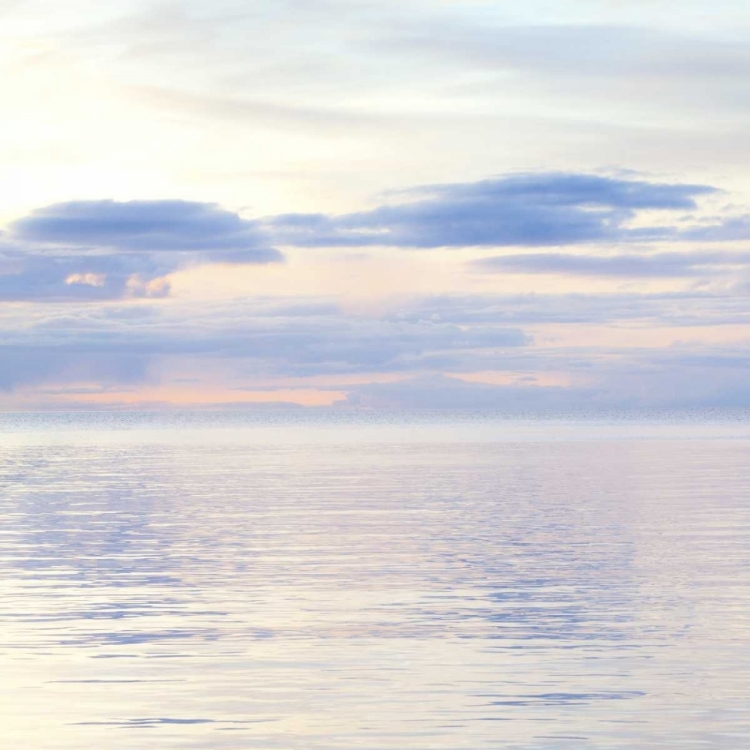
[
  {"x": 170, "y": 396},
  {"x": 292, "y": 391}
]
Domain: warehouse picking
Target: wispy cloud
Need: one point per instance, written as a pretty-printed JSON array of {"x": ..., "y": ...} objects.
[{"x": 656, "y": 265}]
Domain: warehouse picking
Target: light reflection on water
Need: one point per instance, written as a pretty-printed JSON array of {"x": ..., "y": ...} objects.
[{"x": 187, "y": 582}]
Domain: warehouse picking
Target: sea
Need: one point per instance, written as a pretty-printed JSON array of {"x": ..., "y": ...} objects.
[{"x": 321, "y": 580}]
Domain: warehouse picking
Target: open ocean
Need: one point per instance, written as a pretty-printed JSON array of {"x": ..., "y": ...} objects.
[{"x": 313, "y": 581}]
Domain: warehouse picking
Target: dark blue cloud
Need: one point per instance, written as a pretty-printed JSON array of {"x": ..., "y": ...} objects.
[
  {"x": 528, "y": 210},
  {"x": 146, "y": 226},
  {"x": 93, "y": 250},
  {"x": 656, "y": 265}
]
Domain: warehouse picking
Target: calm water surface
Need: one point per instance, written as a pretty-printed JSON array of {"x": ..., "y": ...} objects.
[{"x": 198, "y": 581}]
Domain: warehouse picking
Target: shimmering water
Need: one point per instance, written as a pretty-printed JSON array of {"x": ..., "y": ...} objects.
[{"x": 277, "y": 582}]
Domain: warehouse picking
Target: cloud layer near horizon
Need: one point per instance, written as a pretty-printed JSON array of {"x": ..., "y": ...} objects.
[
  {"x": 261, "y": 344},
  {"x": 78, "y": 256}
]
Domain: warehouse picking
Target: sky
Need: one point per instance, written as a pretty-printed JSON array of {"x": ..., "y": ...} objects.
[{"x": 443, "y": 204}]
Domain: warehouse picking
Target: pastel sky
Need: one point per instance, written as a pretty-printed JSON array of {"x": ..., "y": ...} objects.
[{"x": 415, "y": 204}]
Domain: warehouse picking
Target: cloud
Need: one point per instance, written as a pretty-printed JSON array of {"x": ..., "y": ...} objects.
[
  {"x": 680, "y": 376},
  {"x": 99, "y": 250},
  {"x": 577, "y": 50},
  {"x": 147, "y": 227},
  {"x": 672, "y": 379},
  {"x": 440, "y": 392},
  {"x": 656, "y": 265},
  {"x": 728, "y": 230},
  {"x": 32, "y": 365},
  {"x": 257, "y": 340},
  {"x": 394, "y": 48},
  {"x": 242, "y": 338},
  {"x": 607, "y": 69},
  {"x": 38, "y": 277},
  {"x": 523, "y": 210},
  {"x": 686, "y": 308}
]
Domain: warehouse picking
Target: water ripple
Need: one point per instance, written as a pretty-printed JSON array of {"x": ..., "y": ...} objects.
[{"x": 228, "y": 588}]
